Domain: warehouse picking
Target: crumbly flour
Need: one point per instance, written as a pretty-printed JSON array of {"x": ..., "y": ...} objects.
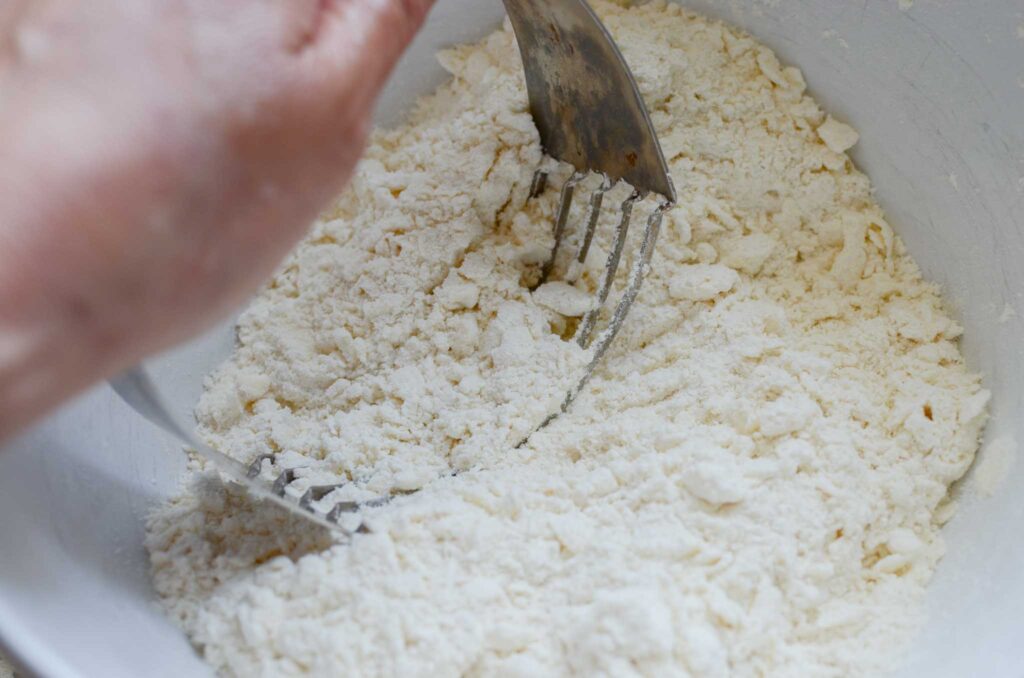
[{"x": 752, "y": 484}]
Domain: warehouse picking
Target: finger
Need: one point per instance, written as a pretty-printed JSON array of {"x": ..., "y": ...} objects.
[
  {"x": 365, "y": 38},
  {"x": 270, "y": 26}
]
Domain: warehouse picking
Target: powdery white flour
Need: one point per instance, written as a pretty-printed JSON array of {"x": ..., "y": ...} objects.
[{"x": 752, "y": 484}]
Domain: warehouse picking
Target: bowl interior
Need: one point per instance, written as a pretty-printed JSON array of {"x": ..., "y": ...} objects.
[{"x": 936, "y": 91}]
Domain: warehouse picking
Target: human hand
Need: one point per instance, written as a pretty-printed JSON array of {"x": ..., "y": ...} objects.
[{"x": 158, "y": 159}]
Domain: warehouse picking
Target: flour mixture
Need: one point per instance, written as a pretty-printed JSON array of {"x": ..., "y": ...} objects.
[{"x": 752, "y": 484}]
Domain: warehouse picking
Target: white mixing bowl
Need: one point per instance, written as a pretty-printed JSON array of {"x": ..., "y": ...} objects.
[{"x": 937, "y": 91}]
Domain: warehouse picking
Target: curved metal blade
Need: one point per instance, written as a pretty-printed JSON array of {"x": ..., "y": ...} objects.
[
  {"x": 136, "y": 389},
  {"x": 583, "y": 98}
]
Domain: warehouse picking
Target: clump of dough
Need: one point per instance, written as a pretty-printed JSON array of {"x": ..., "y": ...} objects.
[{"x": 838, "y": 136}]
